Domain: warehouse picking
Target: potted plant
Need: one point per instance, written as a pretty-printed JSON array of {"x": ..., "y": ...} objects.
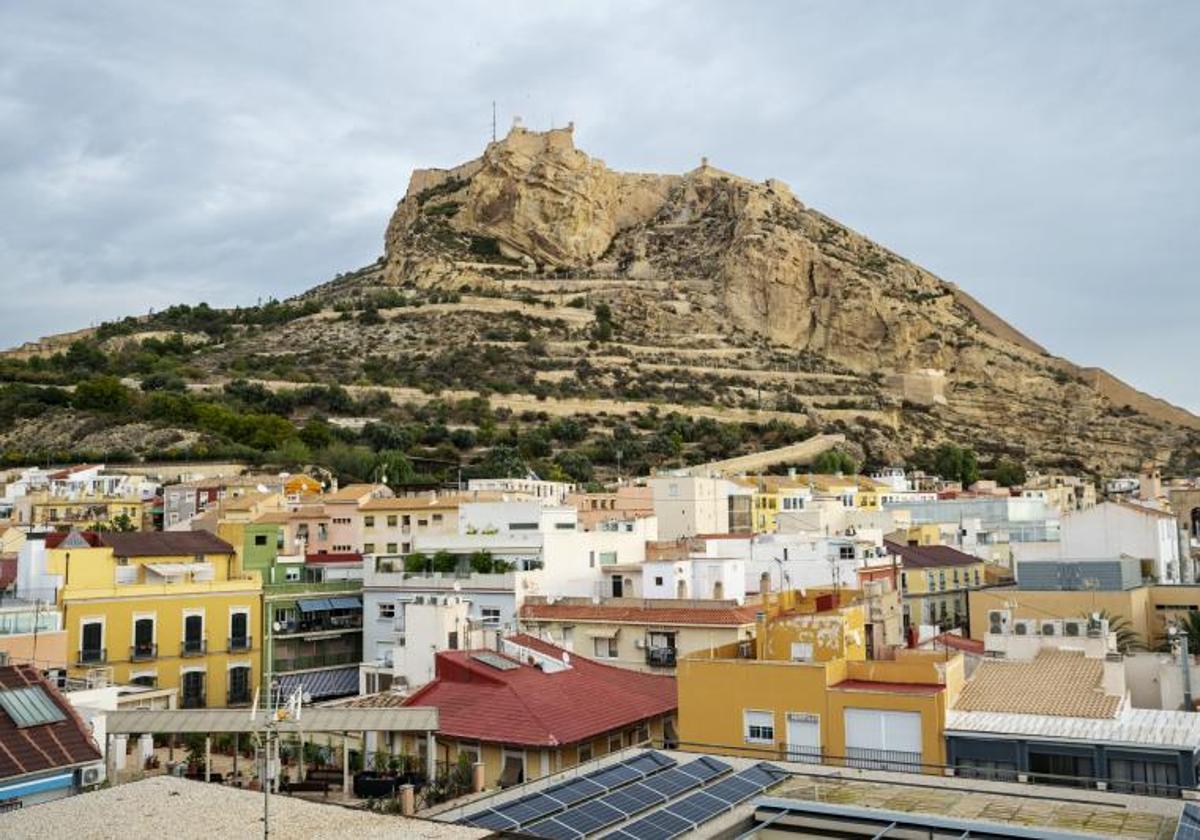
[{"x": 377, "y": 782}]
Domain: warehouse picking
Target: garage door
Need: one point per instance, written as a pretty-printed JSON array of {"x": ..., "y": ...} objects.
[{"x": 883, "y": 740}]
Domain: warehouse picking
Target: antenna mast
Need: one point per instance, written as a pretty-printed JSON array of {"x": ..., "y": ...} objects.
[{"x": 493, "y": 120}]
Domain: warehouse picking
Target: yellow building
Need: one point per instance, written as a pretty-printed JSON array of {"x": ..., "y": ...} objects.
[
  {"x": 874, "y": 714},
  {"x": 934, "y": 581},
  {"x": 47, "y": 511},
  {"x": 813, "y": 626},
  {"x": 165, "y": 609}
]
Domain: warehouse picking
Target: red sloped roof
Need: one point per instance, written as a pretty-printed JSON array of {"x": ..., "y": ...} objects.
[
  {"x": 957, "y": 642},
  {"x": 55, "y": 538},
  {"x": 527, "y": 706},
  {"x": 723, "y": 615},
  {"x": 29, "y": 749},
  {"x": 8, "y": 570}
]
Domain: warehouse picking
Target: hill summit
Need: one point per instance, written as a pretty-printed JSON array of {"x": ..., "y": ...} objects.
[{"x": 536, "y": 278}]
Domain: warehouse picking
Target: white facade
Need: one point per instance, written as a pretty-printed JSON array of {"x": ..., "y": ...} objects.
[
  {"x": 33, "y": 581},
  {"x": 424, "y": 628},
  {"x": 1112, "y": 529},
  {"x": 550, "y": 492},
  {"x": 804, "y": 560},
  {"x": 715, "y": 578}
]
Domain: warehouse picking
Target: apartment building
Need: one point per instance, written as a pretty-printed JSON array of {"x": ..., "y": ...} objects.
[{"x": 165, "y": 609}]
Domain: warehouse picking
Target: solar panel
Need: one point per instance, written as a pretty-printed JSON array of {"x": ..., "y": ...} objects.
[
  {"x": 660, "y": 825},
  {"x": 30, "y": 706},
  {"x": 672, "y": 783},
  {"x": 634, "y": 799},
  {"x": 705, "y": 768},
  {"x": 580, "y": 821},
  {"x": 495, "y": 660},
  {"x": 734, "y": 789},
  {"x": 1189, "y": 823},
  {"x": 699, "y": 808},
  {"x": 538, "y": 806}
]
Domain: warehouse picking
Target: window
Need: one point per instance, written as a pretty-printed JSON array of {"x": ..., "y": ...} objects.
[
  {"x": 591, "y": 559},
  {"x": 614, "y": 742},
  {"x": 193, "y": 634},
  {"x": 421, "y": 523},
  {"x": 903, "y": 582},
  {"x": 437, "y": 519},
  {"x": 956, "y": 577},
  {"x": 260, "y": 539},
  {"x": 239, "y": 685},
  {"x": 522, "y": 526},
  {"x": 491, "y": 616},
  {"x": 285, "y": 616},
  {"x": 564, "y": 526},
  {"x": 368, "y": 548},
  {"x": 976, "y": 577},
  {"x": 658, "y": 581},
  {"x": 802, "y": 651},
  {"x": 604, "y": 648},
  {"x": 193, "y": 690},
  {"x": 568, "y": 634},
  {"x": 608, "y": 558},
  {"x": 291, "y": 575},
  {"x": 405, "y": 521},
  {"x": 239, "y": 629},
  {"x": 391, "y": 520},
  {"x": 759, "y": 727},
  {"x": 846, "y": 552},
  {"x": 143, "y": 640},
  {"x": 91, "y": 644},
  {"x": 387, "y": 611},
  {"x": 585, "y": 752},
  {"x": 368, "y": 521},
  {"x": 673, "y": 490},
  {"x": 391, "y": 548}
]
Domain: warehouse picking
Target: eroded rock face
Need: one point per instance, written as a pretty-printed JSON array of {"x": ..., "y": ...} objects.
[{"x": 756, "y": 262}]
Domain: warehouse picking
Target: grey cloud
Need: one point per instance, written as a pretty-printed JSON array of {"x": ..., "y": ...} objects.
[{"x": 1044, "y": 156}]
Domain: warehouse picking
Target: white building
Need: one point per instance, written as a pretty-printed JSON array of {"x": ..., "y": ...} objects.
[
  {"x": 686, "y": 506},
  {"x": 550, "y": 492},
  {"x": 1113, "y": 529}
]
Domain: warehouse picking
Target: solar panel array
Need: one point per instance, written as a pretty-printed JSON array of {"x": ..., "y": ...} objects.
[
  {"x": 517, "y": 813},
  {"x": 495, "y": 660},
  {"x": 618, "y": 806},
  {"x": 30, "y": 706},
  {"x": 695, "y": 810},
  {"x": 1189, "y": 823}
]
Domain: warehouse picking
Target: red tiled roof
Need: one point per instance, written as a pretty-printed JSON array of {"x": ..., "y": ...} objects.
[
  {"x": 55, "y": 538},
  {"x": 930, "y": 556},
  {"x": 165, "y": 543},
  {"x": 60, "y": 475},
  {"x": 527, "y": 706},
  {"x": 31, "y": 749},
  {"x": 334, "y": 557},
  {"x": 888, "y": 687},
  {"x": 723, "y": 615},
  {"x": 8, "y": 570}
]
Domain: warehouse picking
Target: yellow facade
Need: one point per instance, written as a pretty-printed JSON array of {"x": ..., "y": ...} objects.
[
  {"x": 48, "y": 512},
  {"x": 818, "y": 626},
  {"x": 115, "y": 593},
  {"x": 717, "y": 691}
]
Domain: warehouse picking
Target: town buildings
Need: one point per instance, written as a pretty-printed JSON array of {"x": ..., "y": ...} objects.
[{"x": 933, "y": 580}]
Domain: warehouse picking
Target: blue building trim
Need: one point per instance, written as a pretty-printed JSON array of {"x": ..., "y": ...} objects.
[{"x": 15, "y": 790}]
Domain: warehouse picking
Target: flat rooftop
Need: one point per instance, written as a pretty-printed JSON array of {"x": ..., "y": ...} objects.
[{"x": 164, "y": 806}]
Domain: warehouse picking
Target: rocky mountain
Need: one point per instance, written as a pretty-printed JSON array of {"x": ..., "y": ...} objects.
[{"x": 536, "y": 277}]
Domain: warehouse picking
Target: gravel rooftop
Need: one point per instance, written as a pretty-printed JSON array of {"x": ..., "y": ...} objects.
[{"x": 164, "y": 806}]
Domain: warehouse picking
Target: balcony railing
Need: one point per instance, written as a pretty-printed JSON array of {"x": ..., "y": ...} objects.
[
  {"x": 660, "y": 657},
  {"x": 92, "y": 656},
  {"x": 239, "y": 643},
  {"x": 320, "y": 660},
  {"x": 193, "y": 647},
  {"x": 238, "y": 697},
  {"x": 143, "y": 653},
  {"x": 321, "y": 625},
  {"x": 192, "y": 700}
]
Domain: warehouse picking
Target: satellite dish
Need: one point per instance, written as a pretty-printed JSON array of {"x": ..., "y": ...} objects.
[
  {"x": 457, "y": 586},
  {"x": 566, "y": 658},
  {"x": 262, "y": 488},
  {"x": 277, "y": 626}
]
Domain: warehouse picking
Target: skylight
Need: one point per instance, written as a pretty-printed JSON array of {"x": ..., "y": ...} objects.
[{"x": 30, "y": 706}]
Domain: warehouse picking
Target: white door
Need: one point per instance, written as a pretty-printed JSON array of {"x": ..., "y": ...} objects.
[
  {"x": 803, "y": 737},
  {"x": 883, "y": 740}
]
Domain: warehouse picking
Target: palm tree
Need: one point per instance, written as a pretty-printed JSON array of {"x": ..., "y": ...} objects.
[{"x": 1128, "y": 639}]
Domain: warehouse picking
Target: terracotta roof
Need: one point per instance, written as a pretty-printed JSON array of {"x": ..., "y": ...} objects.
[
  {"x": 382, "y": 700},
  {"x": 8, "y": 570},
  {"x": 61, "y": 475},
  {"x": 888, "y": 687},
  {"x": 31, "y": 749},
  {"x": 525, "y": 705},
  {"x": 277, "y": 517},
  {"x": 54, "y": 540},
  {"x": 1149, "y": 511},
  {"x": 165, "y": 543},
  {"x": 1060, "y": 683},
  {"x": 930, "y": 556},
  {"x": 352, "y": 492},
  {"x": 725, "y": 615}
]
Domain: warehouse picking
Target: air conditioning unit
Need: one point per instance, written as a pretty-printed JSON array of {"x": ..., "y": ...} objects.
[
  {"x": 1097, "y": 628},
  {"x": 1053, "y": 627},
  {"x": 1025, "y": 627},
  {"x": 1074, "y": 627},
  {"x": 998, "y": 621},
  {"x": 640, "y": 644},
  {"x": 93, "y": 775}
]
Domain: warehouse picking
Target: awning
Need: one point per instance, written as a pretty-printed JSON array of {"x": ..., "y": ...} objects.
[
  {"x": 180, "y": 569},
  {"x": 313, "y": 605},
  {"x": 322, "y": 685},
  {"x": 603, "y": 632},
  {"x": 345, "y": 603}
]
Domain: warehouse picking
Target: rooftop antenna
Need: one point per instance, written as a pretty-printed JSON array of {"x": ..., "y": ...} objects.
[{"x": 493, "y": 120}]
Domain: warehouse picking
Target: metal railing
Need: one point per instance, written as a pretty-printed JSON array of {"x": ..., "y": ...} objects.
[
  {"x": 143, "y": 653},
  {"x": 321, "y": 660},
  {"x": 91, "y": 656},
  {"x": 660, "y": 657},
  {"x": 193, "y": 647},
  {"x": 193, "y": 700},
  {"x": 239, "y": 643},
  {"x": 237, "y": 697}
]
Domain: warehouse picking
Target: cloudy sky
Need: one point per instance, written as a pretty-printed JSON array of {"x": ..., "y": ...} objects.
[{"x": 1044, "y": 155}]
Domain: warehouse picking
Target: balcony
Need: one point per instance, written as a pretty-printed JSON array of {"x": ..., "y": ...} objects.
[
  {"x": 321, "y": 660},
  {"x": 92, "y": 656},
  {"x": 143, "y": 653},
  {"x": 238, "y": 696},
  {"x": 660, "y": 657},
  {"x": 239, "y": 643},
  {"x": 192, "y": 700},
  {"x": 193, "y": 647}
]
